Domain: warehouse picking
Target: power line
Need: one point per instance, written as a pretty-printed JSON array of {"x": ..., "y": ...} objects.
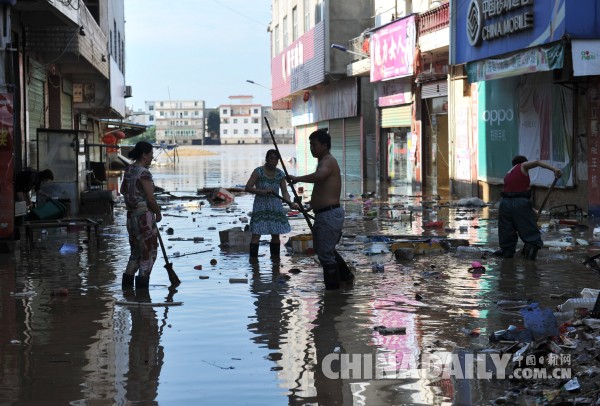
[{"x": 241, "y": 14}]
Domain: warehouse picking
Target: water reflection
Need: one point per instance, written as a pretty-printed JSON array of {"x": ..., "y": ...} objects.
[{"x": 265, "y": 342}]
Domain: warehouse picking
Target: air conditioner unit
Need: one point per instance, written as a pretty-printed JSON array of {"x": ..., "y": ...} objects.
[{"x": 128, "y": 91}]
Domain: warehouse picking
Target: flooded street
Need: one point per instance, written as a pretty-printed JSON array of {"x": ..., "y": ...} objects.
[{"x": 272, "y": 340}]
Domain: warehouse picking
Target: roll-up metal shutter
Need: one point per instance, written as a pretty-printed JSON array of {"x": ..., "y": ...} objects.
[
  {"x": 66, "y": 104},
  {"x": 35, "y": 98},
  {"x": 396, "y": 116},
  {"x": 336, "y": 131},
  {"x": 305, "y": 162},
  {"x": 434, "y": 89},
  {"x": 352, "y": 148}
]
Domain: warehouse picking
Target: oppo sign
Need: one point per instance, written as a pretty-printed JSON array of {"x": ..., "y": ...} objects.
[
  {"x": 480, "y": 12},
  {"x": 498, "y": 116}
]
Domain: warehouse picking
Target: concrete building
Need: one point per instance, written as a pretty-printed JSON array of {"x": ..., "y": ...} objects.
[
  {"x": 309, "y": 78},
  {"x": 62, "y": 85},
  {"x": 178, "y": 121},
  {"x": 241, "y": 121},
  {"x": 281, "y": 125}
]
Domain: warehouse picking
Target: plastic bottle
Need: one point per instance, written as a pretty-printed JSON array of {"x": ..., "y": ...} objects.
[
  {"x": 468, "y": 252},
  {"x": 575, "y": 303}
]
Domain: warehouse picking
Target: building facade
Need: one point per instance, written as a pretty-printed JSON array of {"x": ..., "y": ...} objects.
[
  {"x": 525, "y": 81},
  {"x": 241, "y": 121},
  {"x": 309, "y": 78},
  {"x": 62, "y": 84},
  {"x": 178, "y": 121}
]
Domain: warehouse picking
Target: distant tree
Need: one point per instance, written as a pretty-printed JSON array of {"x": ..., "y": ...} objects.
[
  {"x": 213, "y": 123},
  {"x": 149, "y": 135}
]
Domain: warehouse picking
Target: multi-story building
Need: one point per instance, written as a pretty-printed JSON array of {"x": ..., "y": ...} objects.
[
  {"x": 63, "y": 84},
  {"x": 281, "y": 125},
  {"x": 241, "y": 121},
  {"x": 309, "y": 77},
  {"x": 178, "y": 121}
]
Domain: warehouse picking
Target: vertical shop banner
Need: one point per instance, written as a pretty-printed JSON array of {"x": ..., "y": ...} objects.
[
  {"x": 392, "y": 50},
  {"x": 498, "y": 127},
  {"x": 593, "y": 127},
  {"x": 7, "y": 200}
]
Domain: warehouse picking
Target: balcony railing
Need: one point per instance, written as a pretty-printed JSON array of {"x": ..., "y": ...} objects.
[{"x": 434, "y": 20}]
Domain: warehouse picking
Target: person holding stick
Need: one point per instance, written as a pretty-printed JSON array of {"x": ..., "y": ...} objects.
[
  {"x": 516, "y": 217},
  {"x": 325, "y": 203},
  {"x": 143, "y": 212},
  {"x": 268, "y": 214}
]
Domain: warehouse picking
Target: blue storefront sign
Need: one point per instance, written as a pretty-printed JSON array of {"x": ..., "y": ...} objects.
[{"x": 485, "y": 28}]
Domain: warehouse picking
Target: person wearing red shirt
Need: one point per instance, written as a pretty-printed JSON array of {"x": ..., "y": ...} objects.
[{"x": 516, "y": 217}]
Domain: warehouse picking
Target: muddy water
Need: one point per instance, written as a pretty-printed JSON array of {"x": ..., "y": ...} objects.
[{"x": 270, "y": 340}]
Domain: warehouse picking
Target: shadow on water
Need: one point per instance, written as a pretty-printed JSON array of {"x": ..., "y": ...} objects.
[{"x": 280, "y": 338}]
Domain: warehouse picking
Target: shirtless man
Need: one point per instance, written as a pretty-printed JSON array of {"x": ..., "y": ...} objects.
[{"x": 325, "y": 203}]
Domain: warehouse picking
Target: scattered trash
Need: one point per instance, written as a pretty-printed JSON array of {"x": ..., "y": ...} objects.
[
  {"x": 213, "y": 261},
  {"x": 572, "y": 385},
  {"x": 582, "y": 302},
  {"x": 198, "y": 267},
  {"x": 295, "y": 271},
  {"x": 468, "y": 252},
  {"x": 203, "y": 277},
  {"x": 404, "y": 254},
  {"x": 375, "y": 248},
  {"x": 377, "y": 267},
  {"x": 476, "y": 267},
  {"x": 389, "y": 330},
  {"x": 67, "y": 248},
  {"x": 540, "y": 322},
  {"x": 238, "y": 280}
]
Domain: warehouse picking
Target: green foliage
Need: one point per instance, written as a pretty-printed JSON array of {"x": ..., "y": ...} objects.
[
  {"x": 149, "y": 136},
  {"x": 213, "y": 123}
]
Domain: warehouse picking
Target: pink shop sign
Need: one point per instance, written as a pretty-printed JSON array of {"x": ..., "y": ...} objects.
[{"x": 393, "y": 50}]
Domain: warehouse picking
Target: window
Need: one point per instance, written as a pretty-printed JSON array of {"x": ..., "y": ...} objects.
[
  {"x": 255, "y": 120},
  {"x": 276, "y": 40},
  {"x": 196, "y": 113},
  {"x": 235, "y": 121},
  {"x": 306, "y": 15},
  {"x": 234, "y": 132},
  {"x": 246, "y": 131},
  {"x": 151, "y": 108},
  {"x": 161, "y": 104},
  {"x": 224, "y": 132},
  {"x": 255, "y": 111},
  {"x": 186, "y": 113},
  {"x": 319, "y": 12},
  {"x": 245, "y": 121},
  {"x": 255, "y": 131},
  {"x": 225, "y": 121},
  {"x": 151, "y": 118},
  {"x": 161, "y": 113},
  {"x": 284, "y": 30},
  {"x": 294, "y": 24},
  {"x": 195, "y": 104}
]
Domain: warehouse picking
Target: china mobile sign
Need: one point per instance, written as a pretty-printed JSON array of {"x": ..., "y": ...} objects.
[
  {"x": 392, "y": 49},
  {"x": 300, "y": 65},
  {"x": 490, "y": 19}
]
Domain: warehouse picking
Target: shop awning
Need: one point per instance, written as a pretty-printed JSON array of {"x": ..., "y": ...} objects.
[
  {"x": 539, "y": 59},
  {"x": 130, "y": 129}
]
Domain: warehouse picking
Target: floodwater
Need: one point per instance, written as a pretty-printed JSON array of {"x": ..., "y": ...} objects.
[{"x": 278, "y": 338}]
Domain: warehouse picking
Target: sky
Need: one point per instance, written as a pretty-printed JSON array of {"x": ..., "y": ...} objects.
[{"x": 197, "y": 50}]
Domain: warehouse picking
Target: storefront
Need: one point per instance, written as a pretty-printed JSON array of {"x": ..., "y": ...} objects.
[{"x": 522, "y": 96}]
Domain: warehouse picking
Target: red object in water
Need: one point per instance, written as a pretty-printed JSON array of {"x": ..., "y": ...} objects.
[
  {"x": 198, "y": 267},
  {"x": 567, "y": 221},
  {"x": 434, "y": 224}
]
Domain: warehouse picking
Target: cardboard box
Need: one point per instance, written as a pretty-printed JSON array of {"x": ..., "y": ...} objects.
[
  {"x": 235, "y": 237},
  {"x": 301, "y": 243}
]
